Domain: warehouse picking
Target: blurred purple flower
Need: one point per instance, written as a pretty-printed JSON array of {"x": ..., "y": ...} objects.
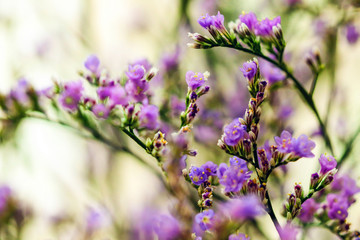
[
  {"x": 250, "y": 20},
  {"x": 308, "y": 209},
  {"x": 71, "y": 95},
  {"x": 352, "y": 34},
  {"x": 288, "y": 232},
  {"x": 327, "y": 163},
  {"x": 148, "y": 117},
  {"x": 239, "y": 236},
  {"x": 197, "y": 175},
  {"x": 100, "y": 110},
  {"x": 92, "y": 63},
  {"x": 243, "y": 208},
  {"x": 205, "y": 219}
]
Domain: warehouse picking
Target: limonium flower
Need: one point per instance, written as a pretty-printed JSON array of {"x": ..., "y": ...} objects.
[
  {"x": 249, "y": 19},
  {"x": 242, "y": 208},
  {"x": 218, "y": 21},
  {"x": 345, "y": 184},
  {"x": 148, "y": 117},
  {"x": 271, "y": 73},
  {"x": 300, "y": 147},
  {"x": 71, "y": 95},
  {"x": 92, "y": 63},
  {"x": 197, "y": 175},
  {"x": 352, "y": 34},
  {"x": 19, "y": 93},
  {"x": 234, "y": 132},
  {"x": 205, "y": 219},
  {"x": 288, "y": 232},
  {"x": 265, "y": 27},
  {"x": 239, "y": 236},
  {"x": 327, "y": 163},
  {"x": 166, "y": 227},
  {"x": 210, "y": 168},
  {"x": 100, "y": 110},
  {"x": 205, "y": 21},
  {"x": 118, "y": 96},
  {"x": 137, "y": 88},
  {"x": 337, "y": 206},
  {"x": 308, "y": 209},
  {"x": 249, "y": 69},
  {"x": 233, "y": 177},
  {"x": 135, "y": 72},
  {"x": 195, "y": 80}
]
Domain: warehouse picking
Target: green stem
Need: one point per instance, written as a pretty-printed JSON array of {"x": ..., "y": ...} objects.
[{"x": 349, "y": 146}]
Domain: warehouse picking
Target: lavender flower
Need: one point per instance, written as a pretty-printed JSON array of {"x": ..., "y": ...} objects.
[
  {"x": 100, "y": 110},
  {"x": 166, "y": 227},
  {"x": 234, "y": 132},
  {"x": 271, "y": 73},
  {"x": 197, "y": 175},
  {"x": 309, "y": 208},
  {"x": 194, "y": 80},
  {"x": 327, "y": 163},
  {"x": 239, "y": 236},
  {"x": 136, "y": 89},
  {"x": 249, "y": 69},
  {"x": 71, "y": 95},
  {"x": 148, "y": 117},
  {"x": 20, "y": 92},
  {"x": 288, "y": 232},
  {"x": 92, "y": 63},
  {"x": 118, "y": 96},
  {"x": 205, "y": 219},
  {"x": 210, "y": 168},
  {"x": 135, "y": 72},
  {"x": 218, "y": 21},
  {"x": 352, "y": 34},
  {"x": 346, "y": 185},
  {"x": 299, "y": 147},
  {"x": 337, "y": 206}
]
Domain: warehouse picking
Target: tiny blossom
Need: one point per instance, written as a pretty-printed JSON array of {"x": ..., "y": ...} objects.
[
  {"x": 205, "y": 21},
  {"x": 100, "y": 110},
  {"x": 288, "y": 232},
  {"x": 143, "y": 62},
  {"x": 218, "y": 21},
  {"x": 327, "y": 163},
  {"x": 148, "y": 117},
  {"x": 205, "y": 219},
  {"x": 71, "y": 95},
  {"x": 19, "y": 93},
  {"x": 249, "y": 19},
  {"x": 197, "y": 175},
  {"x": 166, "y": 227},
  {"x": 137, "y": 89},
  {"x": 265, "y": 27},
  {"x": 300, "y": 147},
  {"x": 271, "y": 73},
  {"x": 234, "y": 132},
  {"x": 235, "y": 161},
  {"x": 249, "y": 69},
  {"x": 243, "y": 208},
  {"x": 239, "y": 236},
  {"x": 195, "y": 80},
  {"x": 337, "y": 206},
  {"x": 92, "y": 63},
  {"x": 233, "y": 177},
  {"x": 352, "y": 34},
  {"x": 135, "y": 72},
  {"x": 171, "y": 60},
  {"x": 346, "y": 185},
  {"x": 210, "y": 168},
  {"x": 118, "y": 96},
  {"x": 308, "y": 209}
]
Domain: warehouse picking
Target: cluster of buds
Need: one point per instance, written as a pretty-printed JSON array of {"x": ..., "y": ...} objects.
[
  {"x": 293, "y": 205},
  {"x": 313, "y": 60},
  {"x": 196, "y": 88},
  {"x": 205, "y": 192},
  {"x": 156, "y": 146}
]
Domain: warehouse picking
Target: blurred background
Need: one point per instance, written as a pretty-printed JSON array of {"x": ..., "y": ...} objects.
[{"x": 65, "y": 181}]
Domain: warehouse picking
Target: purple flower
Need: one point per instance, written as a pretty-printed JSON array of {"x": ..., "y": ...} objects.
[
  {"x": 249, "y": 69},
  {"x": 210, "y": 168},
  {"x": 205, "y": 21},
  {"x": 352, "y": 34},
  {"x": 171, "y": 60},
  {"x": 265, "y": 27},
  {"x": 19, "y": 93},
  {"x": 205, "y": 219},
  {"x": 234, "y": 132},
  {"x": 285, "y": 111},
  {"x": 271, "y": 73},
  {"x": 346, "y": 185},
  {"x": 218, "y": 21},
  {"x": 327, "y": 163},
  {"x": 249, "y": 19},
  {"x": 135, "y": 72},
  {"x": 137, "y": 89},
  {"x": 148, "y": 117},
  {"x": 337, "y": 206},
  {"x": 5, "y": 194},
  {"x": 308, "y": 209},
  {"x": 197, "y": 175},
  {"x": 97, "y": 219},
  {"x": 239, "y": 236},
  {"x": 194, "y": 80},
  {"x": 243, "y": 208},
  {"x": 233, "y": 177},
  {"x": 100, "y": 111},
  {"x": 288, "y": 232},
  {"x": 118, "y": 96},
  {"x": 143, "y": 62},
  {"x": 302, "y": 147},
  {"x": 104, "y": 92},
  {"x": 92, "y": 63},
  {"x": 71, "y": 95},
  {"x": 166, "y": 227}
]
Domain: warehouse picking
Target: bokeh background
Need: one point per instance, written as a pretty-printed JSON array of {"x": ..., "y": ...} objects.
[{"x": 58, "y": 174}]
